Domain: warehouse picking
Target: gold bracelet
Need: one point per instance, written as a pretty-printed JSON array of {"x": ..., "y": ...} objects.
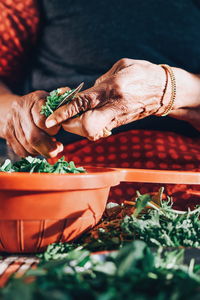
[{"x": 173, "y": 93}]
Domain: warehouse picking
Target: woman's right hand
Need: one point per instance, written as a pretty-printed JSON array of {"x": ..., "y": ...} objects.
[{"x": 24, "y": 128}]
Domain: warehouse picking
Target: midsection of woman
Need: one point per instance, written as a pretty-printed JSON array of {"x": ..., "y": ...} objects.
[{"x": 81, "y": 40}]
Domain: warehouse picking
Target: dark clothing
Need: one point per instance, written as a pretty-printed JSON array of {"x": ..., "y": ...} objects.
[{"x": 80, "y": 40}]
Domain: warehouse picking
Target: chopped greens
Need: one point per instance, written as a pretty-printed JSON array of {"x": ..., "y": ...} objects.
[
  {"x": 135, "y": 272},
  {"x": 69, "y": 271},
  {"x": 158, "y": 225},
  {"x": 53, "y": 100},
  {"x": 38, "y": 165},
  {"x": 164, "y": 227}
]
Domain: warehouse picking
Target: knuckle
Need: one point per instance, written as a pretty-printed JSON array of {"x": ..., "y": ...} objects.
[
  {"x": 83, "y": 103},
  {"x": 61, "y": 114},
  {"x": 37, "y": 95},
  {"x": 124, "y": 62}
]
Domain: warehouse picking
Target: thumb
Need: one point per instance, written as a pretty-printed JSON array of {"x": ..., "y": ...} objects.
[
  {"x": 93, "y": 124},
  {"x": 84, "y": 101}
]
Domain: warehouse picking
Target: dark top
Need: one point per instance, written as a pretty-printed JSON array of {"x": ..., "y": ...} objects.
[{"x": 80, "y": 40}]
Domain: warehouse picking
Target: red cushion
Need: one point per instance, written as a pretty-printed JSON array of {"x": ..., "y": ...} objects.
[
  {"x": 145, "y": 150},
  {"x": 18, "y": 27}
]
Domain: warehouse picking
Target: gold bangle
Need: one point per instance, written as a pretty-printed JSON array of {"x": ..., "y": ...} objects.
[{"x": 173, "y": 93}]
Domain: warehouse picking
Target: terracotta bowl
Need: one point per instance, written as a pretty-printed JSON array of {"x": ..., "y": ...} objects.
[{"x": 39, "y": 209}]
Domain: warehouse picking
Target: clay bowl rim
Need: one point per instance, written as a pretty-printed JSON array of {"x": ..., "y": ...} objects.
[{"x": 95, "y": 178}]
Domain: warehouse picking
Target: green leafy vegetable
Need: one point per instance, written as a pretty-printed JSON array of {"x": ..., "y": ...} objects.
[
  {"x": 141, "y": 203},
  {"x": 38, "y": 165},
  {"x": 158, "y": 225},
  {"x": 53, "y": 100},
  {"x": 70, "y": 272},
  {"x": 135, "y": 272},
  {"x": 165, "y": 227}
]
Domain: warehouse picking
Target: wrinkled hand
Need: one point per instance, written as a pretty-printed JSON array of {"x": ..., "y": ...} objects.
[
  {"x": 24, "y": 127},
  {"x": 130, "y": 90}
]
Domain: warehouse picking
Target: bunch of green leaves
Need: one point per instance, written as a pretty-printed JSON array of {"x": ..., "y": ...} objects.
[
  {"x": 135, "y": 272},
  {"x": 159, "y": 226},
  {"x": 38, "y": 165},
  {"x": 53, "y": 100},
  {"x": 58, "y": 251},
  {"x": 164, "y": 226}
]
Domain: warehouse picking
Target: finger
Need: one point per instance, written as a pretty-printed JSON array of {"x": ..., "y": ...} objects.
[
  {"x": 74, "y": 126},
  {"x": 44, "y": 145},
  {"x": 93, "y": 124},
  {"x": 22, "y": 139},
  {"x": 84, "y": 101},
  {"x": 13, "y": 142},
  {"x": 40, "y": 119},
  {"x": 53, "y": 130},
  {"x": 39, "y": 140}
]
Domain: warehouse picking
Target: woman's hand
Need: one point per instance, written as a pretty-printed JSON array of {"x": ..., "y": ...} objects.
[
  {"x": 131, "y": 90},
  {"x": 24, "y": 128}
]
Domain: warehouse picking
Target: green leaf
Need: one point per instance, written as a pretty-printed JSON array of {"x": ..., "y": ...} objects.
[
  {"x": 141, "y": 202},
  {"x": 37, "y": 165},
  {"x": 53, "y": 100}
]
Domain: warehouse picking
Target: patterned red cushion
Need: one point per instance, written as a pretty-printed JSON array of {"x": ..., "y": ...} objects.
[{"x": 145, "y": 150}]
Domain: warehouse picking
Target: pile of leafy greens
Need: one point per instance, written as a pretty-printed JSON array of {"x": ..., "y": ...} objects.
[
  {"x": 152, "y": 220},
  {"x": 164, "y": 226},
  {"x": 69, "y": 271},
  {"x": 53, "y": 100},
  {"x": 38, "y": 165},
  {"x": 135, "y": 272}
]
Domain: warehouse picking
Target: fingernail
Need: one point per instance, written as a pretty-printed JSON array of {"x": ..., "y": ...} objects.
[{"x": 50, "y": 123}]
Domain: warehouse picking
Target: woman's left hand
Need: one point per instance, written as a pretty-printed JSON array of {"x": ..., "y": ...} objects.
[{"x": 130, "y": 90}]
